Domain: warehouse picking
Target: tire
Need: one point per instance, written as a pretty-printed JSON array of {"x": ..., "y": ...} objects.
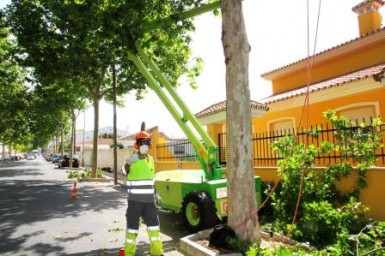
[{"x": 199, "y": 211}]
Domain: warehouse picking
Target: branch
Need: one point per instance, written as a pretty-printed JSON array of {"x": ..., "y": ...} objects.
[
  {"x": 374, "y": 250},
  {"x": 181, "y": 16}
]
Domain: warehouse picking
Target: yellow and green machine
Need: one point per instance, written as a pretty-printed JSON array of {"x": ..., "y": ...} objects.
[{"x": 200, "y": 195}]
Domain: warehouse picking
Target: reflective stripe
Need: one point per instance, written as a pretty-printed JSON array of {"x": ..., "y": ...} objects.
[
  {"x": 141, "y": 191},
  {"x": 140, "y": 187},
  {"x": 153, "y": 228},
  {"x": 152, "y": 239},
  {"x": 140, "y": 183},
  {"x": 132, "y": 231}
]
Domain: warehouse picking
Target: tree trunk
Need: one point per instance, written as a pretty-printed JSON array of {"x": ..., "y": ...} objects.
[
  {"x": 242, "y": 214},
  {"x": 61, "y": 142},
  {"x": 96, "y": 137},
  {"x": 73, "y": 136},
  {"x": 115, "y": 127}
]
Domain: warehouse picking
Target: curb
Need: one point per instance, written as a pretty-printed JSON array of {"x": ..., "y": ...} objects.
[
  {"x": 189, "y": 246},
  {"x": 94, "y": 179}
]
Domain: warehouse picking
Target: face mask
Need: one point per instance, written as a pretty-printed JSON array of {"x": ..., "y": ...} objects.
[{"x": 143, "y": 149}]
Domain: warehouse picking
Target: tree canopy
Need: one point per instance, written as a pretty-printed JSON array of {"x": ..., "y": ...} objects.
[
  {"x": 80, "y": 42},
  {"x": 14, "y": 104},
  {"x": 72, "y": 47}
]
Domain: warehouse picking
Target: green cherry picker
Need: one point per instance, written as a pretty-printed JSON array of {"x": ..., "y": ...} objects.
[{"x": 201, "y": 195}]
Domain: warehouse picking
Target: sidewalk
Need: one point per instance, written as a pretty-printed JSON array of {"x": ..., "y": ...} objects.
[
  {"x": 171, "y": 227},
  {"x": 37, "y": 216}
]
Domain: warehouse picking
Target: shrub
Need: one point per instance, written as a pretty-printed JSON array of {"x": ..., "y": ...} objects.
[
  {"x": 77, "y": 174},
  {"x": 307, "y": 205}
]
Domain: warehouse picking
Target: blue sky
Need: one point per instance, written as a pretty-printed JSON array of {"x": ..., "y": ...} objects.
[{"x": 277, "y": 33}]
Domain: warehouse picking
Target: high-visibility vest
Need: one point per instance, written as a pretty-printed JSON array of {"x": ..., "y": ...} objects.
[{"x": 140, "y": 184}]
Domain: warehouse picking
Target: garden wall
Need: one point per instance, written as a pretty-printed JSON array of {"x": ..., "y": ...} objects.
[{"x": 372, "y": 196}]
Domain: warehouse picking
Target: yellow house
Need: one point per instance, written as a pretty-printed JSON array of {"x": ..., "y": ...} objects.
[{"x": 348, "y": 78}]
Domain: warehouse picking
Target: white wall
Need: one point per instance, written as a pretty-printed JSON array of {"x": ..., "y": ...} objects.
[{"x": 106, "y": 157}]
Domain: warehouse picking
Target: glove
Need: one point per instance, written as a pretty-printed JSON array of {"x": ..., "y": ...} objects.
[
  {"x": 123, "y": 171},
  {"x": 158, "y": 200},
  {"x": 132, "y": 159}
]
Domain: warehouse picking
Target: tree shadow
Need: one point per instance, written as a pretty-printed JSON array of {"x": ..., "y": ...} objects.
[
  {"x": 35, "y": 201},
  {"x": 25, "y": 202}
]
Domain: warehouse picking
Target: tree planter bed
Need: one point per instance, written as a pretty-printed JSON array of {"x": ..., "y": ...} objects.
[{"x": 198, "y": 244}]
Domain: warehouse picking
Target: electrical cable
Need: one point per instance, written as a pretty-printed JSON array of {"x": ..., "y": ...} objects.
[
  {"x": 306, "y": 106},
  {"x": 305, "y": 110}
]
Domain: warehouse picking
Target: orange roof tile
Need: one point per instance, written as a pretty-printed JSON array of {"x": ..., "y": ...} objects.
[
  {"x": 326, "y": 51},
  {"x": 379, "y": 2},
  {"x": 334, "y": 82},
  {"x": 221, "y": 106},
  {"x": 132, "y": 137}
]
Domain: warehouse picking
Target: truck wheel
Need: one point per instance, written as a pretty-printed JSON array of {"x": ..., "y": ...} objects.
[{"x": 199, "y": 211}]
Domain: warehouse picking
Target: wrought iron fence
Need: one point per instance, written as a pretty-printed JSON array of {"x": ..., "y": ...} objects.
[
  {"x": 263, "y": 154},
  {"x": 176, "y": 150}
]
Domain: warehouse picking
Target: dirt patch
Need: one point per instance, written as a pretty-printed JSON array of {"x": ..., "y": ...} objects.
[
  {"x": 268, "y": 241},
  {"x": 206, "y": 244}
]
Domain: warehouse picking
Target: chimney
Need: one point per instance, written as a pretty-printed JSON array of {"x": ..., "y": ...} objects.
[{"x": 369, "y": 18}]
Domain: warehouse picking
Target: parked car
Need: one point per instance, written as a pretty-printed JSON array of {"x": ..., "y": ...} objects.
[
  {"x": 48, "y": 157},
  {"x": 56, "y": 158},
  {"x": 65, "y": 162},
  {"x": 31, "y": 157}
]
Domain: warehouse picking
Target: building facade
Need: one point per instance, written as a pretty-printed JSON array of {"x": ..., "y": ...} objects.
[{"x": 347, "y": 78}]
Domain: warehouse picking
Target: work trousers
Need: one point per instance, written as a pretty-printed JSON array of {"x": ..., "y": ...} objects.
[{"x": 149, "y": 214}]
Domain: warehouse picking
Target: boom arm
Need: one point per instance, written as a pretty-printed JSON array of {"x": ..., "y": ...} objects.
[{"x": 207, "y": 153}]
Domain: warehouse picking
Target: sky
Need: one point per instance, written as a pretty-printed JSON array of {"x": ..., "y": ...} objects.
[{"x": 277, "y": 32}]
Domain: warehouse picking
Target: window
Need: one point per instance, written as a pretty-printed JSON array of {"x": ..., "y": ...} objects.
[
  {"x": 359, "y": 111},
  {"x": 281, "y": 124}
]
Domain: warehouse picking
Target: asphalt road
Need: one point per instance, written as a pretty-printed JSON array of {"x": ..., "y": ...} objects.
[{"x": 38, "y": 217}]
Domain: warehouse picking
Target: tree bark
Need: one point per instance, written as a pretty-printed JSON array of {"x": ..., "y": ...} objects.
[
  {"x": 73, "y": 137},
  {"x": 115, "y": 127},
  {"x": 242, "y": 214},
  {"x": 96, "y": 138}
]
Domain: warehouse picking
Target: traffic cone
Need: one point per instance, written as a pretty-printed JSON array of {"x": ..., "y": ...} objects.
[
  {"x": 121, "y": 252},
  {"x": 74, "y": 191}
]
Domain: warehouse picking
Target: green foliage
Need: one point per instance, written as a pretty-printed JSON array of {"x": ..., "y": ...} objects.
[
  {"x": 370, "y": 240},
  {"x": 257, "y": 249},
  {"x": 117, "y": 229},
  {"x": 76, "y": 174},
  {"x": 324, "y": 217},
  {"x": 239, "y": 245},
  {"x": 119, "y": 146},
  {"x": 84, "y": 40},
  {"x": 359, "y": 142},
  {"x": 322, "y": 222},
  {"x": 15, "y": 97},
  {"x": 75, "y": 48}
]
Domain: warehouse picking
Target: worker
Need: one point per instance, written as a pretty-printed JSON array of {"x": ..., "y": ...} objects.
[{"x": 140, "y": 169}]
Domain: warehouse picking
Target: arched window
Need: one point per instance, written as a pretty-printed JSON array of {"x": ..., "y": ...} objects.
[
  {"x": 281, "y": 124},
  {"x": 362, "y": 112}
]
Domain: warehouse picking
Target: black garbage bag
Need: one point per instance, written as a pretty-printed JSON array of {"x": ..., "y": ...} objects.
[{"x": 221, "y": 235}]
